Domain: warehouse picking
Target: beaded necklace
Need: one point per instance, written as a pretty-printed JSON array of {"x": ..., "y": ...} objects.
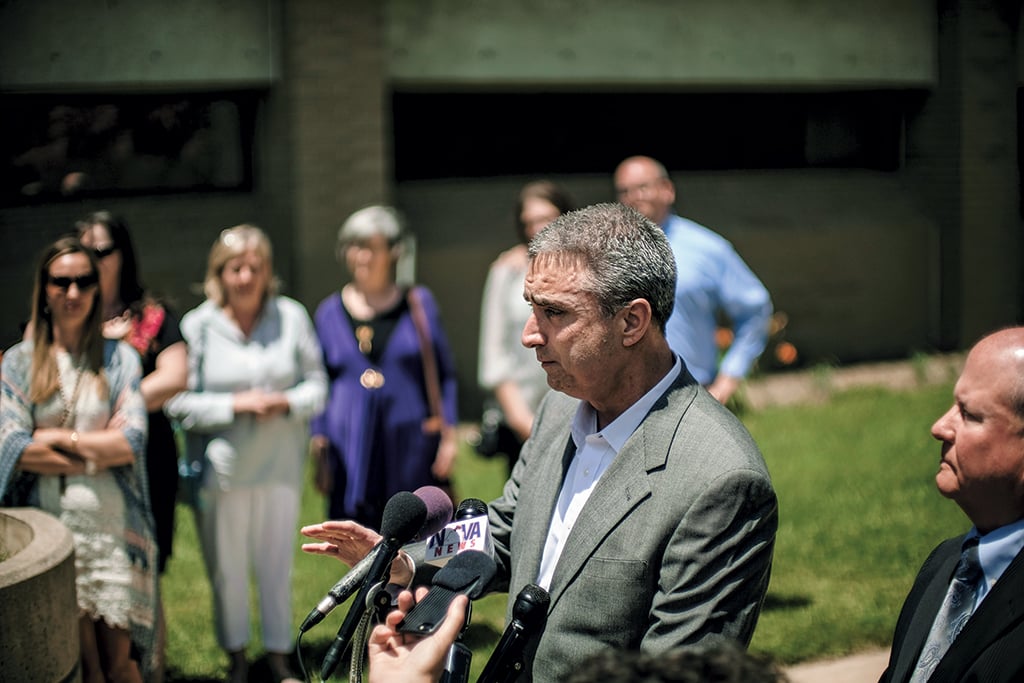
[{"x": 69, "y": 404}]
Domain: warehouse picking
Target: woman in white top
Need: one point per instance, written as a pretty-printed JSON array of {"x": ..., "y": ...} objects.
[
  {"x": 255, "y": 378},
  {"x": 507, "y": 368},
  {"x": 72, "y": 442}
]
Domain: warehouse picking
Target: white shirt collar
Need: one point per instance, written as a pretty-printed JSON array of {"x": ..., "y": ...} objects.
[{"x": 621, "y": 428}]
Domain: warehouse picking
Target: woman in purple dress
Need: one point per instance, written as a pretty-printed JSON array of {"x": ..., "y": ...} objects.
[{"x": 389, "y": 425}]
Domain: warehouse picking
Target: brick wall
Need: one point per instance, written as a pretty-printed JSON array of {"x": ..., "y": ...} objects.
[{"x": 335, "y": 86}]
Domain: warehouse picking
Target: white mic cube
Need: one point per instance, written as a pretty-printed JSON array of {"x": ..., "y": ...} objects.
[{"x": 473, "y": 533}]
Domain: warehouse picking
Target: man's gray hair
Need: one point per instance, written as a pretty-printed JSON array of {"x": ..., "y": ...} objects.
[{"x": 626, "y": 255}]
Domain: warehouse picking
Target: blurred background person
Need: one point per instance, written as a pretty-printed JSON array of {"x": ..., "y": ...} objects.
[
  {"x": 72, "y": 442},
  {"x": 712, "y": 280},
  {"x": 132, "y": 315},
  {"x": 255, "y": 379},
  {"x": 506, "y": 368},
  {"x": 389, "y": 424}
]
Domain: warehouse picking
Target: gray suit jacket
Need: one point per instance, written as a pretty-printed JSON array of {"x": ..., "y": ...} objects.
[{"x": 673, "y": 546}]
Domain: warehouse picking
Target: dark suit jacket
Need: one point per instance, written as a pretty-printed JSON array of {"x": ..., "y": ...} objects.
[
  {"x": 673, "y": 546},
  {"x": 990, "y": 649}
]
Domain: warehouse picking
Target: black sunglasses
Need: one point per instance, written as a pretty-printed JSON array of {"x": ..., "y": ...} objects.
[
  {"x": 83, "y": 282},
  {"x": 101, "y": 254}
]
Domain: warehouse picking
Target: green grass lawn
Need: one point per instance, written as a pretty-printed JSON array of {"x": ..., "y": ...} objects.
[{"x": 858, "y": 515}]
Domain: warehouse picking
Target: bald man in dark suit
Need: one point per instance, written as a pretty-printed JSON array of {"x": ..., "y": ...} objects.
[{"x": 982, "y": 470}]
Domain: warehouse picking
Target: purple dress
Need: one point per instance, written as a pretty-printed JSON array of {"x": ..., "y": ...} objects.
[{"x": 374, "y": 419}]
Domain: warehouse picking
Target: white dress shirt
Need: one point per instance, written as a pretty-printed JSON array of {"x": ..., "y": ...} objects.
[{"x": 594, "y": 453}]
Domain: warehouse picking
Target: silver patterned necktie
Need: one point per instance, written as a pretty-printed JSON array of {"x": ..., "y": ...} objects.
[{"x": 953, "y": 615}]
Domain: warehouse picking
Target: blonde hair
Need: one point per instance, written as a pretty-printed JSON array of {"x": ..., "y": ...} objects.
[{"x": 234, "y": 242}]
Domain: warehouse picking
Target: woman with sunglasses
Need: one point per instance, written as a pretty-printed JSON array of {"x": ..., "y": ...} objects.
[
  {"x": 133, "y": 315},
  {"x": 72, "y": 442}
]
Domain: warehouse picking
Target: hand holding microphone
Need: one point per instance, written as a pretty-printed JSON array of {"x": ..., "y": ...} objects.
[
  {"x": 468, "y": 573},
  {"x": 404, "y": 516},
  {"x": 395, "y": 656},
  {"x": 439, "y": 512},
  {"x": 469, "y": 531}
]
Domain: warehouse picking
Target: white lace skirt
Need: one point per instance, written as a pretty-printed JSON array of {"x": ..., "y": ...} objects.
[{"x": 92, "y": 508}]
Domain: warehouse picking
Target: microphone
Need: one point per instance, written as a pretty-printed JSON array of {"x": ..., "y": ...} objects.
[
  {"x": 469, "y": 531},
  {"x": 470, "y": 507},
  {"x": 529, "y": 612},
  {"x": 439, "y": 512},
  {"x": 468, "y": 573},
  {"x": 404, "y": 515}
]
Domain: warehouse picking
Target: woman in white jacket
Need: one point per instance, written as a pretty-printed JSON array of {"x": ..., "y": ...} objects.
[{"x": 255, "y": 378}]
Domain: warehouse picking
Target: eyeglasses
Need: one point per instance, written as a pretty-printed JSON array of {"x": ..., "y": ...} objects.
[
  {"x": 103, "y": 253},
  {"x": 83, "y": 282},
  {"x": 641, "y": 189}
]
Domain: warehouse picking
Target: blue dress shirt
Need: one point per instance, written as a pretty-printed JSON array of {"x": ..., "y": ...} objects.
[
  {"x": 996, "y": 550},
  {"x": 711, "y": 278}
]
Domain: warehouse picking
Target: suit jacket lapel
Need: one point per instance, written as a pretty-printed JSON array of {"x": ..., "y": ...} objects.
[
  {"x": 1002, "y": 607},
  {"x": 623, "y": 486},
  {"x": 924, "y": 615},
  {"x": 534, "y": 508}
]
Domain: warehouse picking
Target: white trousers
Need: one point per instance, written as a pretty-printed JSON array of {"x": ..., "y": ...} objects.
[{"x": 250, "y": 528}]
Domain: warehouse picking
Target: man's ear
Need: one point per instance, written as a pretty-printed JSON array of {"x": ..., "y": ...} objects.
[{"x": 636, "y": 319}]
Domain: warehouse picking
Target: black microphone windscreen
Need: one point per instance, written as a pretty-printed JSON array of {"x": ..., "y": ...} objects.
[
  {"x": 439, "y": 511},
  {"x": 404, "y": 514},
  {"x": 529, "y": 611},
  {"x": 471, "y": 507},
  {"x": 468, "y": 573},
  {"x": 531, "y": 605},
  {"x": 464, "y": 569}
]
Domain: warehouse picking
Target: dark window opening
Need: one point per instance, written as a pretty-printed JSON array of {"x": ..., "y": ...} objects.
[
  {"x": 100, "y": 145},
  {"x": 477, "y": 134}
]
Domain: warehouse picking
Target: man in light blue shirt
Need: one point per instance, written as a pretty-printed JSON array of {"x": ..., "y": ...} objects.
[{"x": 712, "y": 279}]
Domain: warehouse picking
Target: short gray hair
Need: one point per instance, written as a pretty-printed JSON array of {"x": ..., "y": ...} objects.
[
  {"x": 370, "y": 221},
  {"x": 627, "y": 256}
]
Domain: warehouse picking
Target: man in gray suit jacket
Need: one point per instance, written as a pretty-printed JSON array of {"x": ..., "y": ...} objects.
[
  {"x": 639, "y": 502},
  {"x": 982, "y": 470}
]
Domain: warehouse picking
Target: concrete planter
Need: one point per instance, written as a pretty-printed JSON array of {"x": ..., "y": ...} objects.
[{"x": 38, "y": 607}]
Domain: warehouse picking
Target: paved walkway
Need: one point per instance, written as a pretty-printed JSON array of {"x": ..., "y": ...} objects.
[
  {"x": 817, "y": 384},
  {"x": 864, "y": 667}
]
